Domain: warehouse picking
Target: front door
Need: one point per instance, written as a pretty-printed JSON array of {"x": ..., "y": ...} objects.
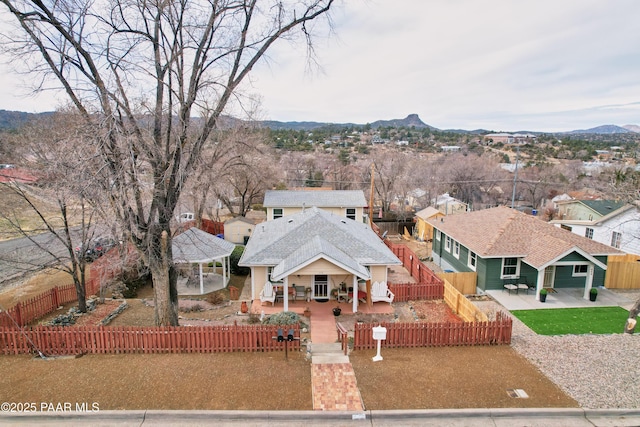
[
  {"x": 320, "y": 286},
  {"x": 549, "y": 276}
]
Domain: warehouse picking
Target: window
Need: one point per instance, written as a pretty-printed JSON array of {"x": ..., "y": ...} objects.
[
  {"x": 588, "y": 233},
  {"x": 277, "y": 213},
  {"x": 510, "y": 268},
  {"x": 269, "y": 271},
  {"x": 456, "y": 249},
  {"x": 351, "y": 213},
  {"x": 473, "y": 259},
  {"x": 438, "y": 235},
  {"x": 580, "y": 270},
  {"x": 615, "y": 239},
  {"x": 447, "y": 244},
  {"x": 565, "y": 227}
]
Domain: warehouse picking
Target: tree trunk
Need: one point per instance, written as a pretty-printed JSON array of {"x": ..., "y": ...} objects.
[
  {"x": 81, "y": 292},
  {"x": 163, "y": 274},
  {"x": 630, "y": 327}
]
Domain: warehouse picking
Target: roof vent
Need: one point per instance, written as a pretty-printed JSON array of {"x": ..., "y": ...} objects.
[{"x": 290, "y": 221}]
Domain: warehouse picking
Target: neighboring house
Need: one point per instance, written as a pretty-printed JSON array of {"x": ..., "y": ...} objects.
[
  {"x": 619, "y": 228},
  {"x": 586, "y": 210},
  {"x": 343, "y": 203},
  {"x": 318, "y": 250},
  {"x": 238, "y": 230},
  {"x": 423, "y": 230},
  {"x": 449, "y": 205},
  {"x": 501, "y": 243}
]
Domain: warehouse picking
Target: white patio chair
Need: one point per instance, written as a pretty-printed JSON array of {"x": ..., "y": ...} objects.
[
  {"x": 380, "y": 292},
  {"x": 268, "y": 294}
]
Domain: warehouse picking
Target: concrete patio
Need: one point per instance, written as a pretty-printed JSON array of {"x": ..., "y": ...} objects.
[{"x": 561, "y": 298}]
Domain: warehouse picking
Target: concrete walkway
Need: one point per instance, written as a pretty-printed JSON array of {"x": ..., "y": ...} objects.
[{"x": 560, "y": 298}]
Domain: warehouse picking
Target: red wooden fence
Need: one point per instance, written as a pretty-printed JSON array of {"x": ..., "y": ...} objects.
[
  {"x": 47, "y": 302},
  {"x": 400, "y": 335},
  {"x": 57, "y": 340}
]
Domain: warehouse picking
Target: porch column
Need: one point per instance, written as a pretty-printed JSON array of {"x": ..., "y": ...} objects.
[
  {"x": 253, "y": 284},
  {"x": 285, "y": 293},
  {"x": 539, "y": 283},
  {"x": 354, "y": 286},
  {"x": 201, "y": 280},
  {"x": 589, "y": 282},
  {"x": 224, "y": 271}
]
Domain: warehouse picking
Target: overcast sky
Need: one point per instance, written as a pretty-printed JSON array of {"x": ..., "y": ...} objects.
[{"x": 543, "y": 65}]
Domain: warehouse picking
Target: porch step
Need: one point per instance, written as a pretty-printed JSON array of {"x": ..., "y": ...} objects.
[{"x": 327, "y": 353}]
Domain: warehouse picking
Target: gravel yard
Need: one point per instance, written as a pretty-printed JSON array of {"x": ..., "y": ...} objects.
[{"x": 598, "y": 371}]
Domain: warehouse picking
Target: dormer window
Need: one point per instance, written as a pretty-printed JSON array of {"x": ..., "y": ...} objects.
[{"x": 277, "y": 213}]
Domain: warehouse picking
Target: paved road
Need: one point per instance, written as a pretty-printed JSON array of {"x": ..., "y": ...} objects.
[
  {"x": 18, "y": 256},
  {"x": 544, "y": 417}
]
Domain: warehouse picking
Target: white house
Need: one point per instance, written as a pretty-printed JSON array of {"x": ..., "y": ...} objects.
[{"x": 620, "y": 228}]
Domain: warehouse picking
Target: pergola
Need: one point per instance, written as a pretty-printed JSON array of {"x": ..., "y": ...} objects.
[{"x": 195, "y": 246}]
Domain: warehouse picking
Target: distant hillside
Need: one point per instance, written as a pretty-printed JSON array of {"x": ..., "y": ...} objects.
[
  {"x": 604, "y": 129},
  {"x": 12, "y": 120},
  {"x": 632, "y": 128},
  {"x": 409, "y": 121}
]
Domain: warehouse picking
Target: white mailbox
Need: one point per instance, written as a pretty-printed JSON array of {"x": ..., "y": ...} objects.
[{"x": 379, "y": 333}]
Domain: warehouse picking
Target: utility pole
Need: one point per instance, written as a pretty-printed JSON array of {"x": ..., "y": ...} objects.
[
  {"x": 515, "y": 178},
  {"x": 371, "y": 199}
]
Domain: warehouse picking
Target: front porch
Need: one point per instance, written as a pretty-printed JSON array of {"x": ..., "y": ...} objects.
[
  {"x": 317, "y": 307},
  {"x": 559, "y": 298}
]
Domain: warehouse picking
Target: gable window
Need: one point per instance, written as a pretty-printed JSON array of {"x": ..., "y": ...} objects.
[
  {"x": 277, "y": 213},
  {"x": 510, "y": 268},
  {"x": 473, "y": 259},
  {"x": 580, "y": 270},
  {"x": 447, "y": 244},
  {"x": 456, "y": 249},
  {"x": 615, "y": 239},
  {"x": 588, "y": 233},
  {"x": 351, "y": 213}
]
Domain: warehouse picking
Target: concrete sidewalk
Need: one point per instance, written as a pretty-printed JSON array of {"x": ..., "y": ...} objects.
[{"x": 543, "y": 417}]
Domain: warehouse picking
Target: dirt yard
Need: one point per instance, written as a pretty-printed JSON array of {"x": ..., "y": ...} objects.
[{"x": 456, "y": 377}]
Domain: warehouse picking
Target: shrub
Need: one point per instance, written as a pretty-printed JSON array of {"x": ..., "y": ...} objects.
[
  {"x": 543, "y": 291},
  {"x": 193, "y": 308},
  {"x": 234, "y": 259},
  {"x": 594, "y": 291},
  {"x": 284, "y": 318},
  {"x": 215, "y": 298}
]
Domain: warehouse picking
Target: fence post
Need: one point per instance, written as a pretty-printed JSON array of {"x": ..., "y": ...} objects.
[
  {"x": 54, "y": 297},
  {"x": 19, "y": 314}
]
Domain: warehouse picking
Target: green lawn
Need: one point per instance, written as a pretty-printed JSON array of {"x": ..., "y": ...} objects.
[{"x": 597, "y": 320}]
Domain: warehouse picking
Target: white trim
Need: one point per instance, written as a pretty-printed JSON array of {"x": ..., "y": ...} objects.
[
  {"x": 580, "y": 274},
  {"x": 469, "y": 257},
  {"x": 510, "y": 276},
  {"x": 456, "y": 249}
]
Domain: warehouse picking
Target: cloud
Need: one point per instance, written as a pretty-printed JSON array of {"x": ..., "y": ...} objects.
[{"x": 537, "y": 65}]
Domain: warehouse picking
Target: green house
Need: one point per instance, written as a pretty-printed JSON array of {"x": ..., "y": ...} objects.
[{"x": 503, "y": 245}]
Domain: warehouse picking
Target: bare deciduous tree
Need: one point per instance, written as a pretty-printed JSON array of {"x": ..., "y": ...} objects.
[{"x": 138, "y": 72}]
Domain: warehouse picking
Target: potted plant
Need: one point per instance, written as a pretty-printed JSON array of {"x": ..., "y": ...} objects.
[
  {"x": 336, "y": 311},
  {"x": 543, "y": 295},
  {"x": 307, "y": 312},
  {"x": 593, "y": 294}
]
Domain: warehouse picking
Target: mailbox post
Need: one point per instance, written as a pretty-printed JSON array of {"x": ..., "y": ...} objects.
[{"x": 379, "y": 334}]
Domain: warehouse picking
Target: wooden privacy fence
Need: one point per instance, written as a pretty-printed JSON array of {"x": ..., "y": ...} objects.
[
  {"x": 410, "y": 261},
  {"x": 47, "y": 302},
  {"x": 57, "y": 340},
  {"x": 623, "y": 272},
  {"x": 416, "y": 291},
  {"x": 461, "y": 306},
  {"x": 464, "y": 282},
  {"x": 403, "y": 335}
]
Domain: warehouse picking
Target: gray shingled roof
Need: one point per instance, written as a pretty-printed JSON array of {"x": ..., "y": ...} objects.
[
  {"x": 603, "y": 207},
  {"x": 502, "y": 231},
  {"x": 293, "y": 241},
  {"x": 319, "y": 198},
  {"x": 196, "y": 246}
]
